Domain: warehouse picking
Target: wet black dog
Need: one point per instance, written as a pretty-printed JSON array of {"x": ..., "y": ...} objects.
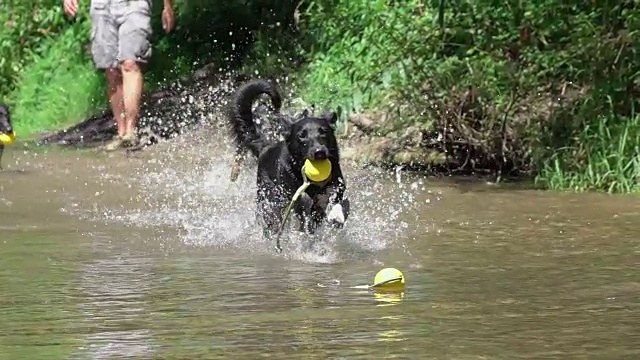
[
  {"x": 5, "y": 127},
  {"x": 280, "y": 162}
]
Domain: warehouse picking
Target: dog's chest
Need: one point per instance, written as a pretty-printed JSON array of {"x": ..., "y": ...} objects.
[
  {"x": 318, "y": 201},
  {"x": 321, "y": 200}
]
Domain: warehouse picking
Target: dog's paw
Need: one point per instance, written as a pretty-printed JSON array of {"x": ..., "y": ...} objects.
[{"x": 335, "y": 214}]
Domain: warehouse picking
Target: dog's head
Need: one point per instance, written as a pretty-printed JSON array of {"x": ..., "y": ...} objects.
[
  {"x": 313, "y": 138},
  {"x": 5, "y": 120}
]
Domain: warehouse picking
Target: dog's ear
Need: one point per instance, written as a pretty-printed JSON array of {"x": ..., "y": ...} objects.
[
  {"x": 331, "y": 117},
  {"x": 286, "y": 123}
]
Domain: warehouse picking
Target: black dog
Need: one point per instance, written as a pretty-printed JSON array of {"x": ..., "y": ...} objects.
[
  {"x": 5, "y": 127},
  {"x": 280, "y": 162}
]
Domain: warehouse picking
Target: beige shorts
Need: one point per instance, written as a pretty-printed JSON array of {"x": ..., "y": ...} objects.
[{"x": 120, "y": 30}]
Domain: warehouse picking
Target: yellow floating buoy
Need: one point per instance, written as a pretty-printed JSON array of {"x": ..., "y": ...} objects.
[
  {"x": 390, "y": 279},
  {"x": 317, "y": 170},
  {"x": 7, "y": 139}
]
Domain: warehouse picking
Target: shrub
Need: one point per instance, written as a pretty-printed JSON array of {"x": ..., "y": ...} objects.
[{"x": 494, "y": 86}]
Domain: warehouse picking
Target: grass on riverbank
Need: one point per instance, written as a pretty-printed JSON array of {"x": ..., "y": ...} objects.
[
  {"x": 606, "y": 158},
  {"x": 58, "y": 88}
]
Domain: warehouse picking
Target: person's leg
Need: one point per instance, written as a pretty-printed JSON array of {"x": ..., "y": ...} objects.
[
  {"x": 116, "y": 99},
  {"x": 132, "y": 83},
  {"x": 104, "y": 50},
  {"x": 134, "y": 50}
]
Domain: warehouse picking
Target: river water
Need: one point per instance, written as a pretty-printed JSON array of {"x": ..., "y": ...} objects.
[{"x": 156, "y": 255}]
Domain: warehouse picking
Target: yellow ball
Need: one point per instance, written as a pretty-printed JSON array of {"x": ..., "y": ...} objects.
[
  {"x": 7, "y": 139},
  {"x": 317, "y": 170},
  {"x": 389, "y": 279}
]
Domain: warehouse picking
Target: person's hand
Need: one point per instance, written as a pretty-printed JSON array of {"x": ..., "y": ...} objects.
[
  {"x": 168, "y": 21},
  {"x": 70, "y": 7}
]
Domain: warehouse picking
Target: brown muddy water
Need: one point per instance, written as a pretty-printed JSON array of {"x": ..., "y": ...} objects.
[{"x": 155, "y": 256}]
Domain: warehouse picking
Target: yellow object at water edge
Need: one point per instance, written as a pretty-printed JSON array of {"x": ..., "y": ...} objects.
[
  {"x": 317, "y": 170},
  {"x": 386, "y": 298},
  {"x": 388, "y": 279},
  {"x": 7, "y": 139}
]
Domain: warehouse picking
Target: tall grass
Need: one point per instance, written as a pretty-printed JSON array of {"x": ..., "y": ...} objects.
[
  {"x": 609, "y": 154},
  {"x": 58, "y": 87}
]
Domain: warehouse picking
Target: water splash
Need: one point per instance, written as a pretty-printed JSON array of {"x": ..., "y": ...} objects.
[{"x": 185, "y": 184}]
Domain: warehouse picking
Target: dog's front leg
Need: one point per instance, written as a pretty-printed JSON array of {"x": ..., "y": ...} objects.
[
  {"x": 304, "y": 212},
  {"x": 338, "y": 207},
  {"x": 273, "y": 216},
  {"x": 271, "y": 209}
]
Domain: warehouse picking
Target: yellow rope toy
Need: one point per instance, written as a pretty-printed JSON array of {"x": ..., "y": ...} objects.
[
  {"x": 7, "y": 139},
  {"x": 313, "y": 171}
]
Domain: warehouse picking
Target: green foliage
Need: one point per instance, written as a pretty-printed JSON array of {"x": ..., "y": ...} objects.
[
  {"x": 46, "y": 72},
  {"x": 605, "y": 157},
  {"x": 487, "y": 77},
  {"x": 73, "y": 88},
  {"x": 43, "y": 52},
  {"x": 25, "y": 27},
  {"x": 543, "y": 88}
]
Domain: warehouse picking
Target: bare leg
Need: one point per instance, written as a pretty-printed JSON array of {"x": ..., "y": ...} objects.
[
  {"x": 114, "y": 92},
  {"x": 132, "y": 82}
]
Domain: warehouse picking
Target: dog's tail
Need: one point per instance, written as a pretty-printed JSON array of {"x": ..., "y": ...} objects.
[
  {"x": 243, "y": 126},
  {"x": 244, "y": 129}
]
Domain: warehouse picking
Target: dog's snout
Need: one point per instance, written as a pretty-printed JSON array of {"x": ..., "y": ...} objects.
[
  {"x": 319, "y": 153},
  {"x": 9, "y": 129}
]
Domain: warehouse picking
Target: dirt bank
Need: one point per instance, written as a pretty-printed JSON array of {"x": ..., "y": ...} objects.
[{"x": 164, "y": 113}]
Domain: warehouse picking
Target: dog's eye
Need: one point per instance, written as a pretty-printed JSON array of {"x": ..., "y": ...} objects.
[
  {"x": 322, "y": 131},
  {"x": 302, "y": 134}
]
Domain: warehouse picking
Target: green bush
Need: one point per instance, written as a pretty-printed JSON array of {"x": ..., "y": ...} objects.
[
  {"x": 26, "y": 26},
  {"x": 47, "y": 76},
  {"x": 547, "y": 89},
  {"x": 46, "y": 72},
  {"x": 73, "y": 91},
  {"x": 508, "y": 87}
]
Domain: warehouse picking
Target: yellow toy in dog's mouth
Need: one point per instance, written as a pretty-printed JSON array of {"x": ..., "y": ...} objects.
[
  {"x": 7, "y": 139},
  {"x": 312, "y": 170},
  {"x": 317, "y": 170}
]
